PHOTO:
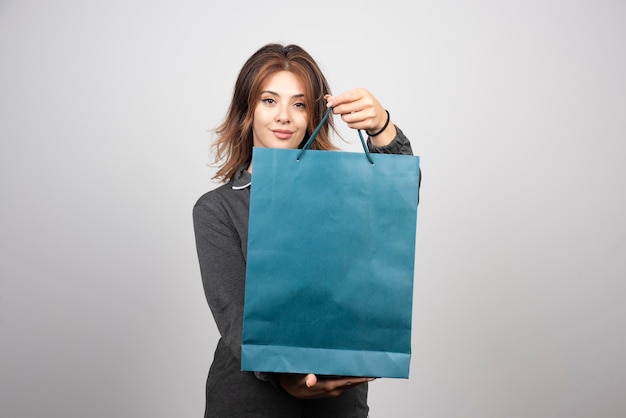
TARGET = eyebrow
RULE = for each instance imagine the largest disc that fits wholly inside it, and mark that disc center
(276, 94)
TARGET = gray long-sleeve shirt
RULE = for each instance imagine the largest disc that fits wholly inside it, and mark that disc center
(221, 227)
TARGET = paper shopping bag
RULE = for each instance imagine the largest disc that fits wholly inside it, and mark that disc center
(330, 263)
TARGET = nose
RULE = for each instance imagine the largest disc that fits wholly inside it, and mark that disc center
(283, 114)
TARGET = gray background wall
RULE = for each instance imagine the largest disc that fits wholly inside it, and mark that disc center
(517, 109)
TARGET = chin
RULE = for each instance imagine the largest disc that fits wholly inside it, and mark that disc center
(284, 144)
(290, 145)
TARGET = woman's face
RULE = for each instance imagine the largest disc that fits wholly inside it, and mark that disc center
(280, 116)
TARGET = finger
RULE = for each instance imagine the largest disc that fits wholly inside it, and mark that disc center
(329, 100)
(310, 380)
(345, 98)
(358, 117)
(352, 381)
(343, 383)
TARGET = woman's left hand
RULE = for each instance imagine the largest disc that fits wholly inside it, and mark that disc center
(359, 109)
(309, 386)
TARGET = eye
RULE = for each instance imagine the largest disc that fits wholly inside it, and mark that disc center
(268, 100)
(300, 105)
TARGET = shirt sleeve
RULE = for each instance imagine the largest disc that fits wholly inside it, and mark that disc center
(399, 145)
(223, 269)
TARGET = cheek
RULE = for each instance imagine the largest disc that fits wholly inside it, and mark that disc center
(303, 120)
(259, 119)
(257, 115)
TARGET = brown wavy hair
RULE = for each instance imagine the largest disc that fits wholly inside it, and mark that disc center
(233, 147)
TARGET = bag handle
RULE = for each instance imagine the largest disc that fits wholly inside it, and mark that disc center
(317, 130)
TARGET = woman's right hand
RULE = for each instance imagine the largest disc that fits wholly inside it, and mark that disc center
(308, 386)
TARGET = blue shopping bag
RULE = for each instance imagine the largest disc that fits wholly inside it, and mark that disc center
(330, 263)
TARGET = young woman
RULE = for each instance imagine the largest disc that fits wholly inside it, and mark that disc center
(279, 98)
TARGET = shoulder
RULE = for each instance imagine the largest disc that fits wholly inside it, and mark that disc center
(213, 197)
(213, 203)
(226, 192)
(227, 203)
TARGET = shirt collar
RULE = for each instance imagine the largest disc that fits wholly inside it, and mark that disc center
(242, 179)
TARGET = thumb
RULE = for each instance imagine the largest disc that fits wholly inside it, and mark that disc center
(310, 380)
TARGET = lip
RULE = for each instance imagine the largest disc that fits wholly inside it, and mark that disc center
(282, 134)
